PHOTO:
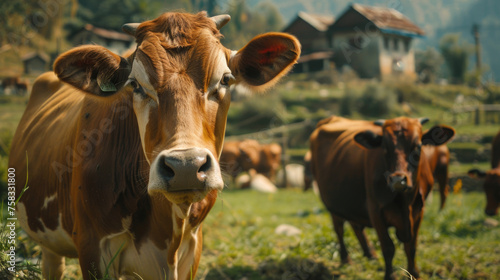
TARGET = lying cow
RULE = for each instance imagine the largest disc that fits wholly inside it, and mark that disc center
(491, 179)
(123, 151)
(369, 174)
(242, 156)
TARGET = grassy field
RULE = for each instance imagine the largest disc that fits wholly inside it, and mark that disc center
(240, 241)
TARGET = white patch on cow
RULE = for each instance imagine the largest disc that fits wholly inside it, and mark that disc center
(220, 69)
(147, 261)
(49, 200)
(139, 73)
(142, 105)
(58, 240)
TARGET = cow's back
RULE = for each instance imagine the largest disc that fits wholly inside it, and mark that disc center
(338, 164)
(42, 147)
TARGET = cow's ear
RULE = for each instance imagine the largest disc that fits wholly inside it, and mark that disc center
(368, 139)
(438, 135)
(264, 60)
(93, 69)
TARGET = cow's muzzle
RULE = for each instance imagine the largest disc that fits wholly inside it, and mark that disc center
(399, 182)
(182, 170)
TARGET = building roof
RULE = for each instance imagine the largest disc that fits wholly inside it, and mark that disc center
(108, 34)
(45, 57)
(387, 20)
(319, 22)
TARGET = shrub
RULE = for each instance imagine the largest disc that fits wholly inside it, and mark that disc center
(376, 101)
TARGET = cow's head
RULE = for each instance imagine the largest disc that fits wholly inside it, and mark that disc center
(178, 81)
(491, 188)
(401, 140)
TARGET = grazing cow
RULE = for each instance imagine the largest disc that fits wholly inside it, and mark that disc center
(438, 158)
(15, 85)
(123, 152)
(239, 156)
(491, 179)
(369, 174)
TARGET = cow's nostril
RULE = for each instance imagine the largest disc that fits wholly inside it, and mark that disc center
(167, 172)
(205, 167)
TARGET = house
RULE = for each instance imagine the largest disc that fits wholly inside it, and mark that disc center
(115, 41)
(311, 29)
(35, 62)
(374, 41)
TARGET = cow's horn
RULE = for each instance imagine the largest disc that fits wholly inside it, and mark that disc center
(423, 120)
(130, 28)
(379, 122)
(221, 20)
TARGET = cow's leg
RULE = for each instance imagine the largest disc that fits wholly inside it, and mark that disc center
(52, 265)
(338, 226)
(385, 240)
(411, 247)
(363, 241)
(442, 178)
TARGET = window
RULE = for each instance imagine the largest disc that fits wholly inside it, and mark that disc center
(407, 45)
(396, 44)
(386, 43)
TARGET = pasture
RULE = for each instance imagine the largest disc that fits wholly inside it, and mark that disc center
(240, 241)
(239, 233)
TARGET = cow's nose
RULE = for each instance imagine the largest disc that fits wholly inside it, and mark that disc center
(399, 182)
(188, 170)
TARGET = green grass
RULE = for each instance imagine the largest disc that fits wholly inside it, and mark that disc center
(240, 240)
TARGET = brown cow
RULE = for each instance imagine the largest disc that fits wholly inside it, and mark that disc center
(369, 174)
(240, 156)
(491, 179)
(438, 158)
(123, 152)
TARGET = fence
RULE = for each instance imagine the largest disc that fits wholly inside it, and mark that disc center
(479, 114)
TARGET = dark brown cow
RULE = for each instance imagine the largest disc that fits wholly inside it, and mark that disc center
(240, 156)
(438, 158)
(123, 152)
(369, 174)
(491, 179)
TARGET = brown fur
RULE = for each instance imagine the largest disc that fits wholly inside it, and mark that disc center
(85, 149)
(242, 156)
(354, 181)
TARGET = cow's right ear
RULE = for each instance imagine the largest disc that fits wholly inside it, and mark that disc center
(368, 139)
(93, 69)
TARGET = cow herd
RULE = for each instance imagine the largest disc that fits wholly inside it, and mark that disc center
(125, 154)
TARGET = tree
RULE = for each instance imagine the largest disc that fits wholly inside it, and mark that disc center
(427, 64)
(456, 55)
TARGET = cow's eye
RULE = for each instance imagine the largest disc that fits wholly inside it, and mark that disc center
(135, 85)
(138, 88)
(227, 79)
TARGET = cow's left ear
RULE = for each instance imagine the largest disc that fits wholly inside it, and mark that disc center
(264, 60)
(93, 69)
(368, 139)
(438, 135)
